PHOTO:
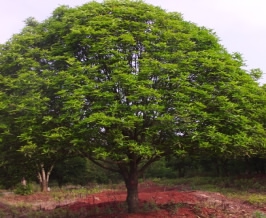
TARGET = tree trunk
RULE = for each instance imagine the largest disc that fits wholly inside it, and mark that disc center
(44, 185)
(43, 177)
(131, 175)
(132, 192)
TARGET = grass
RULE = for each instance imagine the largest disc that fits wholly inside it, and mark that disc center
(256, 199)
(249, 190)
(258, 214)
(216, 183)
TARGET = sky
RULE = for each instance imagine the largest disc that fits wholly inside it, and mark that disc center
(239, 24)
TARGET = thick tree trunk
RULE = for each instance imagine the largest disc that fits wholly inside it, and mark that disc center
(130, 173)
(132, 193)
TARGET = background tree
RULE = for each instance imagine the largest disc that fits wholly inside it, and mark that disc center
(124, 84)
(32, 108)
(11, 172)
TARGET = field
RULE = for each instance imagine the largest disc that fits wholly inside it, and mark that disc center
(192, 198)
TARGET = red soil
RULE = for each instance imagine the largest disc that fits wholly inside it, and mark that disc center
(156, 201)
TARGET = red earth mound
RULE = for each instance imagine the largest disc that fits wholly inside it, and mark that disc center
(157, 201)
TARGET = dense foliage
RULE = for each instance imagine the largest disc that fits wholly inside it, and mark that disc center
(124, 84)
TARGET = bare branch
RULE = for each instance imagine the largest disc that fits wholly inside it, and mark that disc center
(102, 165)
(148, 163)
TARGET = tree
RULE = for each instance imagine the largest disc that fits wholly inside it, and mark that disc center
(11, 172)
(256, 74)
(31, 109)
(125, 83)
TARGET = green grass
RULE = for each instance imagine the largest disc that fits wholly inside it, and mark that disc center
(250, 190)
(256, 199)
(258, 214)
(218, 183)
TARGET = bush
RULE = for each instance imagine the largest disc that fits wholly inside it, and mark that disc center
(23, 189)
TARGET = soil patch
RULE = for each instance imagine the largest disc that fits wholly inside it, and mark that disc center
(155, 201)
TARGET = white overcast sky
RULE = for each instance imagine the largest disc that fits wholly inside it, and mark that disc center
(240, 24)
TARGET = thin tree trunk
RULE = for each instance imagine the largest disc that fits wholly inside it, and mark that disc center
(44, 185)
(44, 177)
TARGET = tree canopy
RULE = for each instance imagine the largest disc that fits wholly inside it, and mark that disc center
(125, 83)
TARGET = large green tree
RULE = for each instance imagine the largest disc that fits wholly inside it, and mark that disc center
(125, 83)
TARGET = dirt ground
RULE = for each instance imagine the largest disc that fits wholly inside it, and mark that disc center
(155, 201)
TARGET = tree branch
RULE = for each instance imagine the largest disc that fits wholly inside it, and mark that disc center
(123, 170)
(148, 163)
(102, 166)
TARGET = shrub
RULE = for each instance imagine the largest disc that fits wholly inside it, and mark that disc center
(23, 189)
